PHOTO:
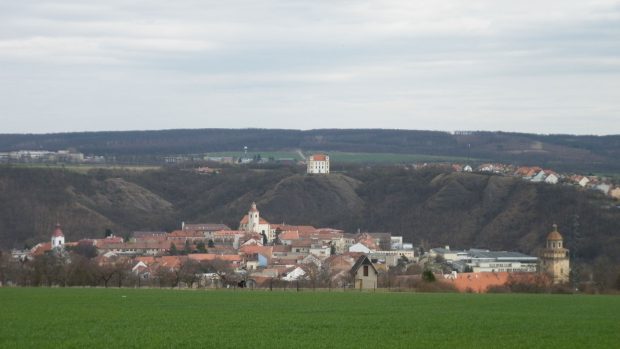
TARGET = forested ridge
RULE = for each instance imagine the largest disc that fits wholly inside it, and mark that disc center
(428, 207)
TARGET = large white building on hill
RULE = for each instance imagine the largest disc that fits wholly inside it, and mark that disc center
(318, 164)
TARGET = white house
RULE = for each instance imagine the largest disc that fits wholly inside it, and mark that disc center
(552, 179)
(295, 274)
(359, 247)
(539, 177)
(318, 164)
(604, 188)
(584, 181)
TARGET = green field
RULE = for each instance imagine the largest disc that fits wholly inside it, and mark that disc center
(392, 158)
(263, 154)
(345, 157)
(129, 318)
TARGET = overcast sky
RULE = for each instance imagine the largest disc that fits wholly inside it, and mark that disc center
(549, 66)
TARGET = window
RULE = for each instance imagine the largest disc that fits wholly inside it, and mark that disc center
(365, 270)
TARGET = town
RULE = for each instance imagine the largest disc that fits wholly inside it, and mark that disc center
(260, 254)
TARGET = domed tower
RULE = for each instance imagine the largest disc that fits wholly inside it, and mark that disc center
(253, 219)
(58, 238)
(554, 259)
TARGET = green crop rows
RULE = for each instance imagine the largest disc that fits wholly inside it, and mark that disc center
(126, 318)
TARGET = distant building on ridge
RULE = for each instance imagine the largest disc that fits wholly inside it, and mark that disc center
(318, 164)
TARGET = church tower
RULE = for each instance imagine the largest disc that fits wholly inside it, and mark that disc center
(554, 258)
(253, 219)
(58, 238)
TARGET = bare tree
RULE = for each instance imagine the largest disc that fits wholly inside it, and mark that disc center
(188, 272)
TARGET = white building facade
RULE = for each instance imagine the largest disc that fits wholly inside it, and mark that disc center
(318, 164)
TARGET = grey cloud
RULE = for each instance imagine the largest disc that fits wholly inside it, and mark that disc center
(550, 67)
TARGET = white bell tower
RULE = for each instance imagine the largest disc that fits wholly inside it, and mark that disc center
(58, 238)
(253, 219)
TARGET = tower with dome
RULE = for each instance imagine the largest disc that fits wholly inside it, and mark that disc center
(554, 259)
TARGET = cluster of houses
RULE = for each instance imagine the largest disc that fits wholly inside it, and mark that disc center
(537, 174)
(46, 156)
(261, 252)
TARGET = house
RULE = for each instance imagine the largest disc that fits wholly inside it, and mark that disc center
(539, 177)
(615, 193)
(294, 274)
(287, 237)
(318, 164)
(603, 187)
(320, 250)
(207, 229)
(583, 181)
(552, 178)
(447, 254)
(364, 274)
(301, 246)
(359, 247)
(396, 242)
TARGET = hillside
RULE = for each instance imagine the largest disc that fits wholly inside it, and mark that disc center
(428, 207)
(561, 152)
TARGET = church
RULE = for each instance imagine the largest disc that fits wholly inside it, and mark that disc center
(554, 259)
(253, 223)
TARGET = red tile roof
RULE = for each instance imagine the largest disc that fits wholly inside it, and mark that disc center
(318, 157)
(57, 232)
(253, 249)
(212, 256)
(289, 235)
(477, 282)
(245, 220)
(41, 248)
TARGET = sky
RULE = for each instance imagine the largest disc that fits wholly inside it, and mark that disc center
(549, 66)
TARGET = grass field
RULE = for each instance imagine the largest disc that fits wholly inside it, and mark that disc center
(392, 158)
(336, 157)
(128, 318)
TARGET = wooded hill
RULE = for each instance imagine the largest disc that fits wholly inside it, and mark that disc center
(427, 207)
(561, 152)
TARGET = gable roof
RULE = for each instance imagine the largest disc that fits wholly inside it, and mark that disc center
(212, 256)
(289, 235)
(246, 219)
(298, 228)
(206, 227)
(362, 260)
(318, 157)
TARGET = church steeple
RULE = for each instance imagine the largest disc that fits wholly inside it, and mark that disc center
(253, 218)
(58, 238)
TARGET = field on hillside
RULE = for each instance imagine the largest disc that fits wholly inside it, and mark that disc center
(391, 158)
(348, 157)
(85, 168)
(127, 318)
